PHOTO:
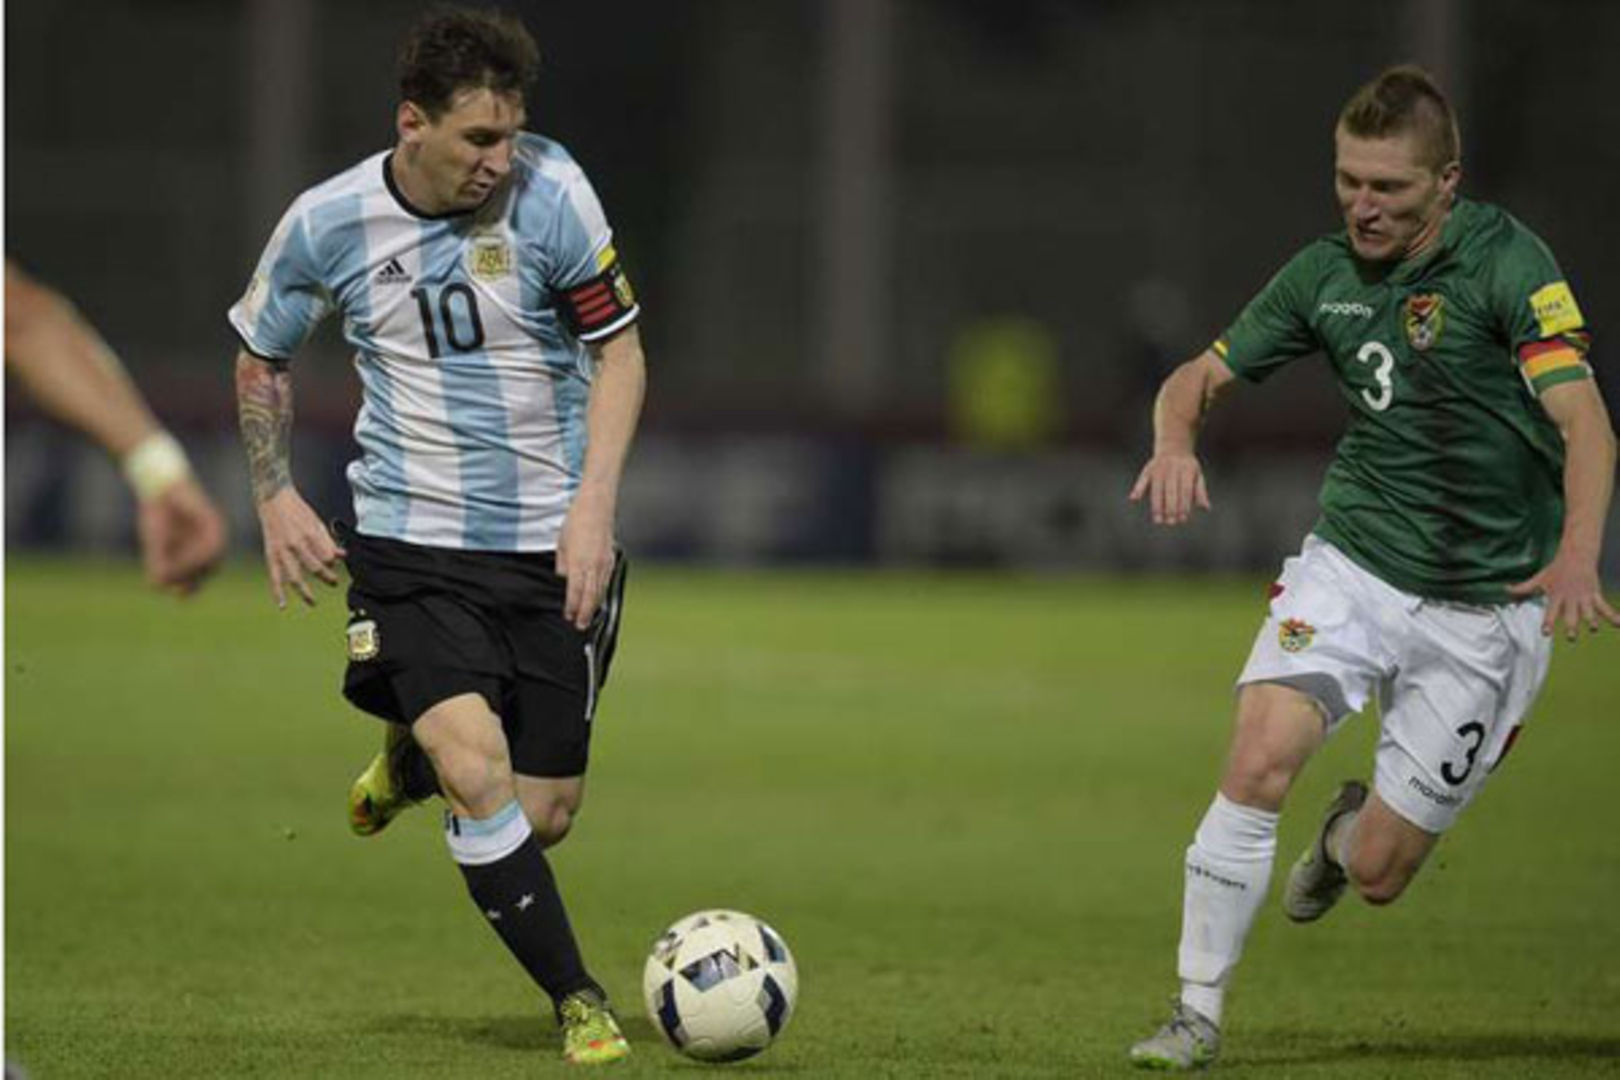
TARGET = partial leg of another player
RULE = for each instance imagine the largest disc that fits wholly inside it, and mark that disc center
(499, 854)
(1228, 866)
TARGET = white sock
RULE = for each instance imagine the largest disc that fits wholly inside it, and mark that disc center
(1341, 837)
(1228, 868)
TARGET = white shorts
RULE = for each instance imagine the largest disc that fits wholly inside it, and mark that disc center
(1453, 681)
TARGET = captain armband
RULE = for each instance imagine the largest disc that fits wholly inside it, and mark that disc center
(1556, 359)
(602, 306)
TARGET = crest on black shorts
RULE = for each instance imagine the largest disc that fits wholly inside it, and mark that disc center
(1425, 318)
(364, 641)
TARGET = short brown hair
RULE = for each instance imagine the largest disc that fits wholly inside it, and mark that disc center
(1403, 99)
(451, 49)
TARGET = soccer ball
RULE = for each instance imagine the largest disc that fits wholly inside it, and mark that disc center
(720, 985)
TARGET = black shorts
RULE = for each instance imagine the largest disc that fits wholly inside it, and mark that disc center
(427, 624)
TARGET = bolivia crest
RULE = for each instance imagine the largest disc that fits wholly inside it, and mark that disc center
(1425, 318)
(1295, 634)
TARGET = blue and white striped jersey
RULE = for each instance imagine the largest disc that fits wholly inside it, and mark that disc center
(469, 333)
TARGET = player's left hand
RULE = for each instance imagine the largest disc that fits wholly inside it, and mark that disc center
(1574, 596)
(182, 536)
(585, 555)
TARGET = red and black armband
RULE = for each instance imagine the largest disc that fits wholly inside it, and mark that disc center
(602, 306)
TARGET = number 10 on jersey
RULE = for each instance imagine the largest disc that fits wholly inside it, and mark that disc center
(455, 315)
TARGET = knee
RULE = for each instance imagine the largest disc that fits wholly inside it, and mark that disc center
(551, 817)
(551, 824)
(479, 781)
(1277, 731)
(1378, 882)
(1258, 777)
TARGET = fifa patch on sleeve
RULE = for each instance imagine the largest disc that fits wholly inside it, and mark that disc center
(1555, 360)
(1555, 309)
(603, 305)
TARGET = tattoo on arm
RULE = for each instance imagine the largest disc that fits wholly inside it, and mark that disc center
(264, 405)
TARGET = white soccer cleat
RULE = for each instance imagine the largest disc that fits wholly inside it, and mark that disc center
(1188, 1040)
(1316, 881)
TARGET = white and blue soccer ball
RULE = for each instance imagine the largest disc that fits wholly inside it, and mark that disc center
(720, 985)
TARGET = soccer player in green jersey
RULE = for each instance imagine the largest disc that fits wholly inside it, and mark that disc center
(1462, 520)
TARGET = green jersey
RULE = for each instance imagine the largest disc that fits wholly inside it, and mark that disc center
(1449, 482)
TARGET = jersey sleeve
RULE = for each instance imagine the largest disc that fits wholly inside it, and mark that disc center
(286, 298)
(1275, 327)
(592, 291)
(1538, 313)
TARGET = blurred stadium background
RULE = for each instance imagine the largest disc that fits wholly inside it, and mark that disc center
(911, 268)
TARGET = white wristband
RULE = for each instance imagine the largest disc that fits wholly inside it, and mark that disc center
(156, 463)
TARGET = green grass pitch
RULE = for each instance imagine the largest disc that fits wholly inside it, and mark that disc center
(962, 799)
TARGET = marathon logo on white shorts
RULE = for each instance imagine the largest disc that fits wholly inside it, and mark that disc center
(1441, 797)
(1352, 308)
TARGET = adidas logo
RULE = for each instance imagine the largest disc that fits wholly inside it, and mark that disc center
(391, 274)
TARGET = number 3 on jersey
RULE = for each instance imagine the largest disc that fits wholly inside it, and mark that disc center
(463, 326)
(1379, 352)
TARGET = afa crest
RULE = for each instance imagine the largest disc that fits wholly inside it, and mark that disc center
(364, 641)
(1425, 318)
(1295, 635)
(489, 258)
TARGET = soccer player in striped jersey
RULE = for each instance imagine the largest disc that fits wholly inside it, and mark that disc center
(1462, 521)
(502, 376)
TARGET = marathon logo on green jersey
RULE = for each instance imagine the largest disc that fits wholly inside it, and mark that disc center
(1345, 307)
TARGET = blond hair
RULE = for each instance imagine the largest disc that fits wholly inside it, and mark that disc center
(1405, 99)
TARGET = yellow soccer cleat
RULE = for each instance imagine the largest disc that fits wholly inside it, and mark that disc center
(378, 794)
(590, 1034)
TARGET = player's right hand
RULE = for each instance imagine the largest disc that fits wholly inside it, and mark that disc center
(296, 543)
(1172, 484)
